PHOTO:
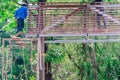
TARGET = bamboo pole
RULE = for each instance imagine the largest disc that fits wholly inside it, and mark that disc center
(40, 65)
(42, 60)
(94, 61)
(3, 59)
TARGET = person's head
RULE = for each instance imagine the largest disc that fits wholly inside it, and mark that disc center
(24, 4)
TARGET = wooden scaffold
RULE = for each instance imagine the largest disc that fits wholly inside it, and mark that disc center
(65, 22)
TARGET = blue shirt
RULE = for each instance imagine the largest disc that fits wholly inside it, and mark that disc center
(21, 12)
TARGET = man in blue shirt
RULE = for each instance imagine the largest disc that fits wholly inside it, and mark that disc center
(20, 15)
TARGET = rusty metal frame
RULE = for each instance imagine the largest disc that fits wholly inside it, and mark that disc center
(90, 35)
(76, 7)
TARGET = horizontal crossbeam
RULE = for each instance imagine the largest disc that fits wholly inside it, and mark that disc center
(83, 41)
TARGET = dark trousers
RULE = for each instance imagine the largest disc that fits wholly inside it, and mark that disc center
(101, 9)
(20, 24)
(99, 17)
(98, 20)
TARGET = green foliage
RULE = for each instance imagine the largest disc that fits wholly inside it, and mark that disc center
(21, 63)
(32, 78)
(80, 59)
(55, 54)
(69, 61)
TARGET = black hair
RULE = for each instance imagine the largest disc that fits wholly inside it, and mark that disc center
(24, 5)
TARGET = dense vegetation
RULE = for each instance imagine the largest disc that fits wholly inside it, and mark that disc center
(99, 61)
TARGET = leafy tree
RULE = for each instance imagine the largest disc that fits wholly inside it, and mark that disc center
(69, 61)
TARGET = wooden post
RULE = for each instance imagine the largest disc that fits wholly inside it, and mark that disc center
(43, 59)
(94, 61)
(7, 62)
(40, 65)
(3, 59)
(41, 62)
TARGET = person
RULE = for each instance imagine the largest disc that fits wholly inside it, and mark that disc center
(20, 15)
(101, 9)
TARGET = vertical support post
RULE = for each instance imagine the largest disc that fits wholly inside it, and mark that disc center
(3, 59)
(38, 58)
(85, 19)
(94, 61)
(41, 68)
(40, 17)
(40, 65)
(7, 63)
(43, 59)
